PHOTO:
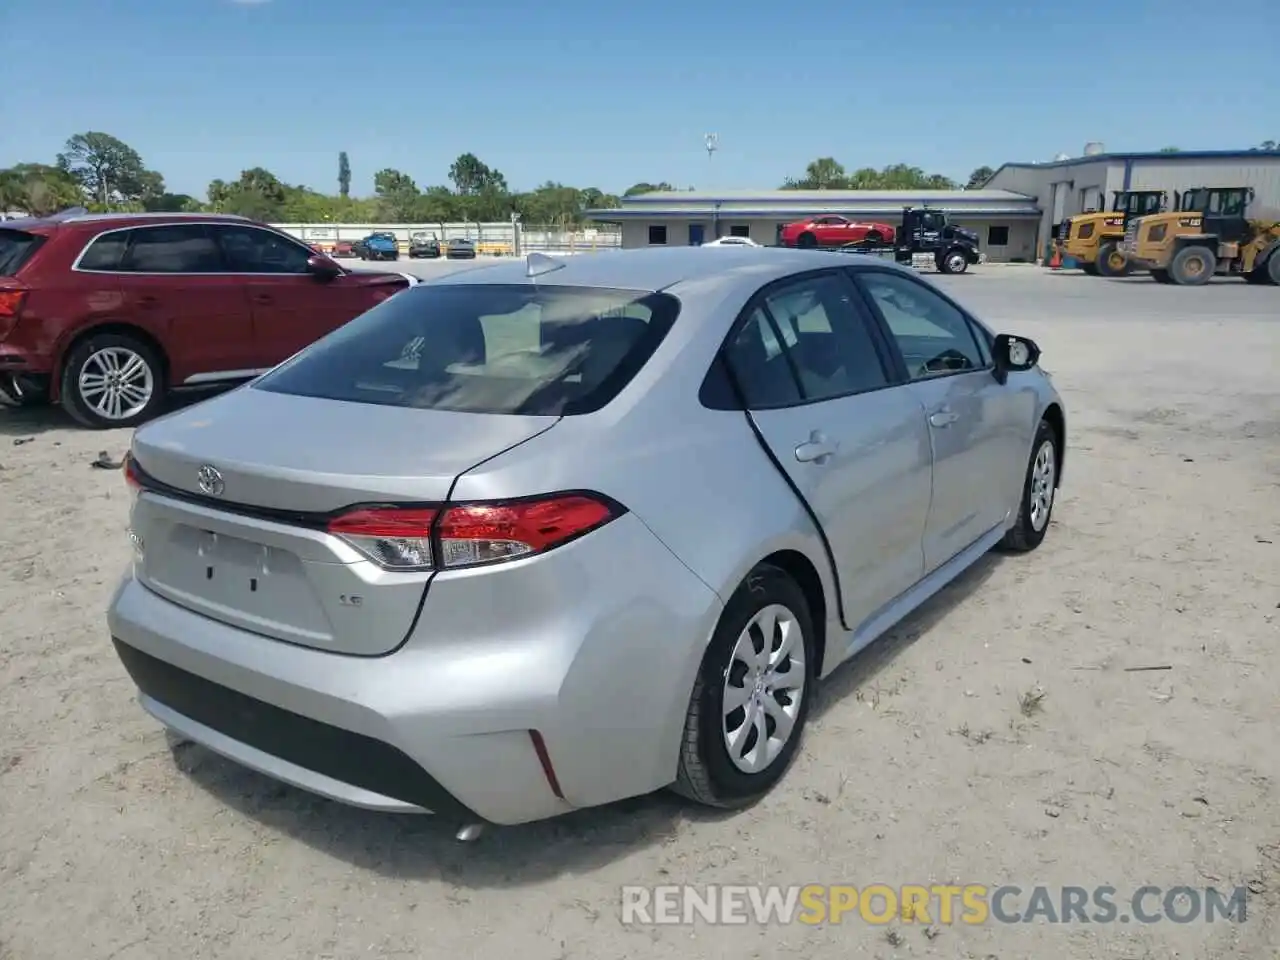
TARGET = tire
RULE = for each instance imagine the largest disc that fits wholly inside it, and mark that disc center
(951, 262)
(806, 241)
(1035, 508)
(1161, 276)
(1111, 262)
(96, 357)
(1273, 267)
(1193, 266)
(708, 773)
(1090, 268)
(1258, 276)
(873, 236)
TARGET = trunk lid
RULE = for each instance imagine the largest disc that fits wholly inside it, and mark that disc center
(248, 547)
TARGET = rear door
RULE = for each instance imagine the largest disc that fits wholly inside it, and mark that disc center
(174, 283)
(293, 307)
(851, 439)
(977, 427)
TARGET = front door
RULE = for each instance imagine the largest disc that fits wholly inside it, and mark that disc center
(975, 424)
(853, 444)
(292, 307)
(696, 234)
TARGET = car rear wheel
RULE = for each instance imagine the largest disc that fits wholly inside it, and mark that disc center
(1038, 492)
(806, 240)
(751, 698)
(111, 381)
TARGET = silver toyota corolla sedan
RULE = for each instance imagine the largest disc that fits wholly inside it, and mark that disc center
(549, 534)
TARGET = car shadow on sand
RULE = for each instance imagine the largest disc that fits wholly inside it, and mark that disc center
(21, 422)
(411, 847)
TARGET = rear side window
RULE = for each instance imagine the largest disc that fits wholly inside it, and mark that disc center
(16, 248)
(105, 252)
(486, 348)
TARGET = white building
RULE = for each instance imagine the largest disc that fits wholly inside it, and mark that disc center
(1005, 222)
(1013, 214)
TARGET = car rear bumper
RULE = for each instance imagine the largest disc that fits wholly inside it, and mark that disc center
(601, 669)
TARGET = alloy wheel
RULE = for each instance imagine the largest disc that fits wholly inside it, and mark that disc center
(116, 383)
(764, 686)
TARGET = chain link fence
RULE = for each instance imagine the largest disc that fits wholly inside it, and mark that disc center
(490, 239)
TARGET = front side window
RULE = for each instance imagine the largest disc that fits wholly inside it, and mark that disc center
(251, 250)
(485, 348)
(934, 337)
(172, 248)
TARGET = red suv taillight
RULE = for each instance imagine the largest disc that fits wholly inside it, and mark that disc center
(10, 308)
(472, 534)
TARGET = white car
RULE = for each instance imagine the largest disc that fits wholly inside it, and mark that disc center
(731, 242)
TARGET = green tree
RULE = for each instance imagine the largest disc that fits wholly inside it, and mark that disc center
(470, 176)
(344, 175)
(397, 195)
(827, 174)
(822, 174)
(258, 194)
(979, 177)
(642, 187)
(1268, 145)
(109, 170)
(38, 189)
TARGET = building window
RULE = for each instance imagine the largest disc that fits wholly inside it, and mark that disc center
(997, 236)
(740, 230)
(657, 234)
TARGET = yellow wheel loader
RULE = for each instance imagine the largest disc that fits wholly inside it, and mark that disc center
(1092, 239)
(1213, 234)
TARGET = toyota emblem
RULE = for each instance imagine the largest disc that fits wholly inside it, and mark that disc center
(210, 480)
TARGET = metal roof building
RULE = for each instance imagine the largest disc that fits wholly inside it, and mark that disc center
(1065, 187)
(1005, 221)
(1013, 213)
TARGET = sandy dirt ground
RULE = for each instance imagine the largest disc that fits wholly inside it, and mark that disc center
(1000, 736)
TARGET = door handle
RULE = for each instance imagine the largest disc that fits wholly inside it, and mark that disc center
(817, 449)
(148, 301)
(943, 418)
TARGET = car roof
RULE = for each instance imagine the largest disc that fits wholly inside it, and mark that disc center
(661, 268)
(107, 220)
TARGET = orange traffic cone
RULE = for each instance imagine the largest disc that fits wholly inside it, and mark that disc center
(1055, 261)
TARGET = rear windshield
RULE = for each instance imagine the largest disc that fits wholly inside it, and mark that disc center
(486, 348)
(16, 247)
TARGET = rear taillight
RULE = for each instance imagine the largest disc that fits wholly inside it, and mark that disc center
(473, 534)
(10, 309)
(131, 476)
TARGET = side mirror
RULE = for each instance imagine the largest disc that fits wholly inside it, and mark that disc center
(1013, 355)
(322, 267)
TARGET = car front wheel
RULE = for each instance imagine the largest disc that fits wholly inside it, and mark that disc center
(112, 381)
(1038, 491)
(751, 698)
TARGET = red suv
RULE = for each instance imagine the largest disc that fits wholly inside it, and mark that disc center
(105, 313)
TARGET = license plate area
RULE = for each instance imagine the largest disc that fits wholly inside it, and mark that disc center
(260, 587)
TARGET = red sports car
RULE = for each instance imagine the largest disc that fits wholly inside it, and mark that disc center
(835, 231)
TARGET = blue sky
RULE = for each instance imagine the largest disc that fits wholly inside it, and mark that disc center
(612, 92)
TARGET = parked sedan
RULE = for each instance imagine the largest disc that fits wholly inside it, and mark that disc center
(106, 313)
(460, 250)
(423, 247)
(344, 249)
(556, 533)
